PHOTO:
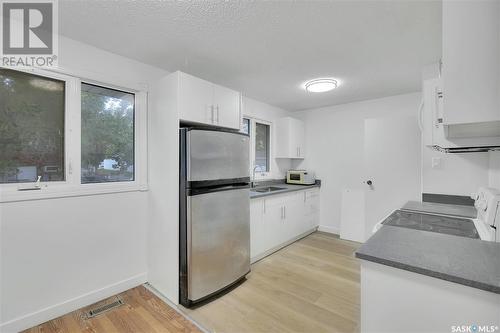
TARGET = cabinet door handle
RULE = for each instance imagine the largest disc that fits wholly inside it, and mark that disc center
(299, 152)
(212, 113)
(217, 113)
(284, 212)
(281, 208)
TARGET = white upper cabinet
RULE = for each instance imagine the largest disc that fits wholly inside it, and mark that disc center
(471, 61)
(290, 138)
(227, 105)
(195, 99)
(204, 102)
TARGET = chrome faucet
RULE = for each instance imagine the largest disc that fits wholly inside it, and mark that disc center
(252, 184)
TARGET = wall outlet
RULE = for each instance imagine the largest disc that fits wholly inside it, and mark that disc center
(436, 162)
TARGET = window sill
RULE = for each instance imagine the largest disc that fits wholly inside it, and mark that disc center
(69, 191)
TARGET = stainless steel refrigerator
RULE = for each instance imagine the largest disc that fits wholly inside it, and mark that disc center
(214, 213)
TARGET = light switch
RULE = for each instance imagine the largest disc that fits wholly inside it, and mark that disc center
(436, 162)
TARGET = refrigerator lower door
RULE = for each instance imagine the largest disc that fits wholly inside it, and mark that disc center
(218, 240)
(217, 155)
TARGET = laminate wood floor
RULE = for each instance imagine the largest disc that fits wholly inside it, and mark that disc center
(143, 312)
(309, 286)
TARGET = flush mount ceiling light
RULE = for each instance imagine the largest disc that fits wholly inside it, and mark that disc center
(321, 85)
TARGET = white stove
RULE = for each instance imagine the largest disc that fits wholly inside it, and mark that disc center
(452, 219)
(487, 203)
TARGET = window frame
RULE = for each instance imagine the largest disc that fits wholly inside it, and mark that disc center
(260, 175)
(72, 186)
(137, 147)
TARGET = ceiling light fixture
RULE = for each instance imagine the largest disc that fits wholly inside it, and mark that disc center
(321, 85)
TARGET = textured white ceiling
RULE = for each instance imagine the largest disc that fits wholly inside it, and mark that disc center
(266, 49)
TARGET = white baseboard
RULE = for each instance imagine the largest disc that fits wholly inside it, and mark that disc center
(57, 310)
(280, 246)
(328, 229)
(174, 306)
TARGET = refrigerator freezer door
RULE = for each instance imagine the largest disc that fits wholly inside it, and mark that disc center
(218, 240)
(217, 155)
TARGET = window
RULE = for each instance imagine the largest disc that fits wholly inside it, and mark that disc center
(245, 126)
(262, 140)
(107, 135)
(79, 138)
(32, 112)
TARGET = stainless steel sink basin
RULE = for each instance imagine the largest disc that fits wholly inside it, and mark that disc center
(267, 189)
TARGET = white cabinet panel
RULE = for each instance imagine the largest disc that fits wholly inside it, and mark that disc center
(311, 208)
(195, 99)
(203, 102)
(452, 136)
(290, 138)
(227, 107)
(257, 230)
(294, 221)
(471, 66)
(297, 138)
(275, 220)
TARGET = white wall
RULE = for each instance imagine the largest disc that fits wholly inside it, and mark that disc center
(60, 254)
(163, 204)
(258, 110)
(335, 147)
(494, 176)
(457, 174)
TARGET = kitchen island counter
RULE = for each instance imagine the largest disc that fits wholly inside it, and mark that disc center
(471, 262)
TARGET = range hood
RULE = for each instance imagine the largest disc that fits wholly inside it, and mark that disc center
(457, 150)
(470, 138)
(454, 138)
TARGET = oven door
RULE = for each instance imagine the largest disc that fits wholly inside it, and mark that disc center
(296, 178)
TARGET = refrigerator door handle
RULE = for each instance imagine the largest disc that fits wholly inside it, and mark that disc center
(205, 190)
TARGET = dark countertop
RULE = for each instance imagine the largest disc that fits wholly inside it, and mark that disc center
(471, 262)
(280, 183)
(439, 208)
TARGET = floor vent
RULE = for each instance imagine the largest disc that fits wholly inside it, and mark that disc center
(103, 308)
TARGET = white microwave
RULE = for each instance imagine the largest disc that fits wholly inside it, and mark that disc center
(300, 177)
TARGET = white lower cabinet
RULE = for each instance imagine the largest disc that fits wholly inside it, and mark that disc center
(312, 207)
(278, 219)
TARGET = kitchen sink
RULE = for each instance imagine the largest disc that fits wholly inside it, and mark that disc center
(267, 189)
